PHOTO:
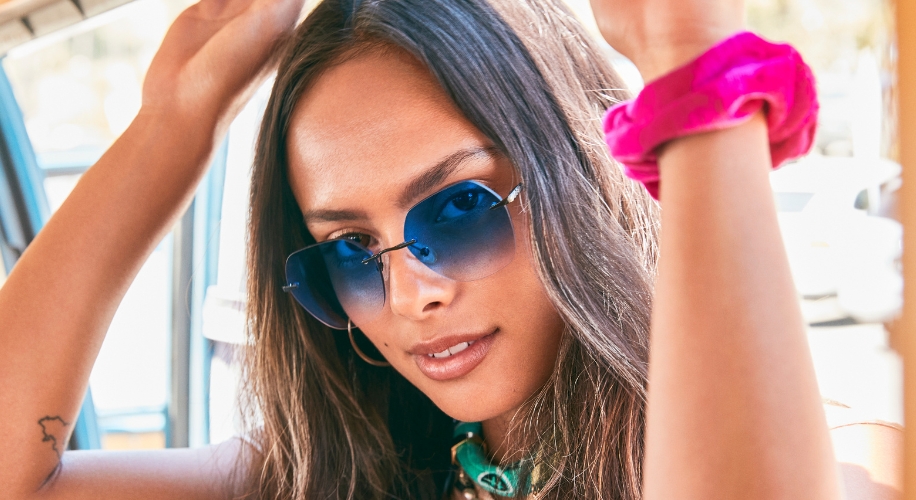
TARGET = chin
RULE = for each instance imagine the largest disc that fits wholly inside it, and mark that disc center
(465, 414)
(477, 403)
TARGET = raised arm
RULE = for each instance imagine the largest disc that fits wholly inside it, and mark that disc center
(58, 301)
(734, 409)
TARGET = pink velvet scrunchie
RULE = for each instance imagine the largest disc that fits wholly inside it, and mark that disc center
(722, 88)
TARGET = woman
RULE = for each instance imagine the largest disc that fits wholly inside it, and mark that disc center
(355, 113)
(387, 118)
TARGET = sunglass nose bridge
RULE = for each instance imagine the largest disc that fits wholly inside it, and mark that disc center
(379, 254)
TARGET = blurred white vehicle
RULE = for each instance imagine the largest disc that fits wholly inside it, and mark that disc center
(836, 244)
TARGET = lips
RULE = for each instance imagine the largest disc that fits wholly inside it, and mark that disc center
(452, 356)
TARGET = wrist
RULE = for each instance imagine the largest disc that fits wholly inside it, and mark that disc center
(185, 142)
(722, 88)
(196, 136)
(677, 38)
(662, 57)
(655, 63)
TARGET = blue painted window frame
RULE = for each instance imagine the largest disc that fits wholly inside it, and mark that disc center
(23, 212)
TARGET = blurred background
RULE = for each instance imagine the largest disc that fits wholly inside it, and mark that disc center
(167, 372)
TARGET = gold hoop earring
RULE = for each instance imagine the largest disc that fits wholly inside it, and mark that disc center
(360, 353)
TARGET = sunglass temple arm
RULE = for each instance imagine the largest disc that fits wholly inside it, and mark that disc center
(508, 199)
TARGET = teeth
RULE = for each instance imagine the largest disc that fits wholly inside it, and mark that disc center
(458, 348)
(455, 349)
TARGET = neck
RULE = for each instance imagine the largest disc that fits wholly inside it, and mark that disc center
(503, 442)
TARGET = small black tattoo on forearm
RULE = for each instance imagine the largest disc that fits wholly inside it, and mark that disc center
(54, 430)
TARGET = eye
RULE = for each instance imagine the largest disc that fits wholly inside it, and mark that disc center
(460, 204)
(361, 239)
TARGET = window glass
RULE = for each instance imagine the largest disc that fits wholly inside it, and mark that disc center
(848, 47)
(223, 317)
(792, 202)
(78, 90)
(842, 240)
(837, 206)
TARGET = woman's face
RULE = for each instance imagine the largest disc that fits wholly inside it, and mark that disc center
(373, 136)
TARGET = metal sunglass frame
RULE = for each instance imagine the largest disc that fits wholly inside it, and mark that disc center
(501, 203)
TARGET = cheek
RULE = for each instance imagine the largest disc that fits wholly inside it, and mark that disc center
(524, 355)
(534, 327)
(523, 358)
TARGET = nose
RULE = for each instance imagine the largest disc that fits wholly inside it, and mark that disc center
(415, 291)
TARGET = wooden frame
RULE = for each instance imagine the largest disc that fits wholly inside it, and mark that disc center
(906, 71)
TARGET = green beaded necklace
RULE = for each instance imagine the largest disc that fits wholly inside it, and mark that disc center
(469, 455)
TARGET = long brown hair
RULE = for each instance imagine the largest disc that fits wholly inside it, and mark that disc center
(527, 75)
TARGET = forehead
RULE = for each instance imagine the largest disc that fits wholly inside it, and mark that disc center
(368, 126)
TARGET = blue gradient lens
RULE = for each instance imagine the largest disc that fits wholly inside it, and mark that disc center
(459, 234)
(462, 232)
(333, 283)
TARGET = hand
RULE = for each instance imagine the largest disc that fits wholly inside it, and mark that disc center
(214, 56)
(661, 35)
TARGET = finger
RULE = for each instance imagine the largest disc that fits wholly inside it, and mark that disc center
(242, 49)
(217, 10)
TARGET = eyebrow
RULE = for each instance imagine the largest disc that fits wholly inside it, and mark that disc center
(415, 188)
(441, 171)
(333, 215)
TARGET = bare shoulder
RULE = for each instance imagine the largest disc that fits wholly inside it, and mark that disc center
(870, 456)
(216, 471)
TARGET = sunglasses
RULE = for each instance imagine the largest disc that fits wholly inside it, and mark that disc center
(463, 232)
